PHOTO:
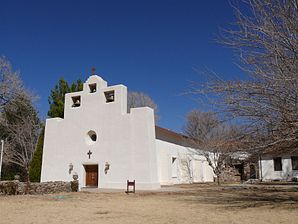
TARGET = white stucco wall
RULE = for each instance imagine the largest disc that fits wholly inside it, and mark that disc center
(125, 141)
(187, 168)
(268, 173)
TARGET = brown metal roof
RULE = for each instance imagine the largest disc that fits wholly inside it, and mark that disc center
(173, 137)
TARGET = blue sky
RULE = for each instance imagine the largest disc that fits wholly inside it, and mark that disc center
(148, 45)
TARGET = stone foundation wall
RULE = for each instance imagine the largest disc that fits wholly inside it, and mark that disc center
(240, 172)
(230, 174)
(15, 187)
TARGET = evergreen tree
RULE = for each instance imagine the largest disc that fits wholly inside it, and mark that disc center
(35, 166)
(57, 97)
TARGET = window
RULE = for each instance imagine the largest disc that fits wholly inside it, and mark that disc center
(294, 162)
(277, 164)
(110, 96)
(91, 137)
(174, 167)
(76, 101)
(92, 88)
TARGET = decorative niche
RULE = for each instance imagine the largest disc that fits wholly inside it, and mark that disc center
(92, 88)
(110, 96)
(76, 101)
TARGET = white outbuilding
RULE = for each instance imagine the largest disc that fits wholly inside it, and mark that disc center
(279, 167)
(105, 145)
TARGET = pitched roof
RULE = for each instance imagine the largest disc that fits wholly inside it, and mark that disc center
(280, 152)
(172, 137)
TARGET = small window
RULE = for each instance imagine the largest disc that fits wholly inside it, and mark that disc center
(110, 96)
(294, 162)
(174, 167)
(76, 101)
(277, 164)
(91, 137)
(92, 88)
(173, 160)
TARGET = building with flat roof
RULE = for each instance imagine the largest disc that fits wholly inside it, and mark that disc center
(105, 145)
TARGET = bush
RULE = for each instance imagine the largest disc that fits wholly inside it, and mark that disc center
(35, 166)
(9, 171)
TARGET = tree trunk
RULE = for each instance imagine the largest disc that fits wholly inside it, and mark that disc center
(218, 182)
(27, 180)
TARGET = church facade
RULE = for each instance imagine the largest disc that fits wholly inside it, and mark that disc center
(104, 145)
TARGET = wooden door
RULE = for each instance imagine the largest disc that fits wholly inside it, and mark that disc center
(91, 175)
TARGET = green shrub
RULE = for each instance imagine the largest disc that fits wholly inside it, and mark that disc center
(9, 171)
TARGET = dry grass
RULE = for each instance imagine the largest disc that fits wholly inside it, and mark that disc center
(191, 204)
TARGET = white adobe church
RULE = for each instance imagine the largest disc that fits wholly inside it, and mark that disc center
(106, 146)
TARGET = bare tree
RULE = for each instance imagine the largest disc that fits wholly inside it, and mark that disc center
(266, 43)
(212, 139)
(19, 123)
(21, 127)
(139, 99)
(10, 83)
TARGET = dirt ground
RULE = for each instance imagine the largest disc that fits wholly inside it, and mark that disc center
(183, 204)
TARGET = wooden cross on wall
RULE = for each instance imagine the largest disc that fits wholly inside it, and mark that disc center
(89, 154)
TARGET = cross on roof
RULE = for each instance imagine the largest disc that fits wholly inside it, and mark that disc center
(89, 154)
(93, 71)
